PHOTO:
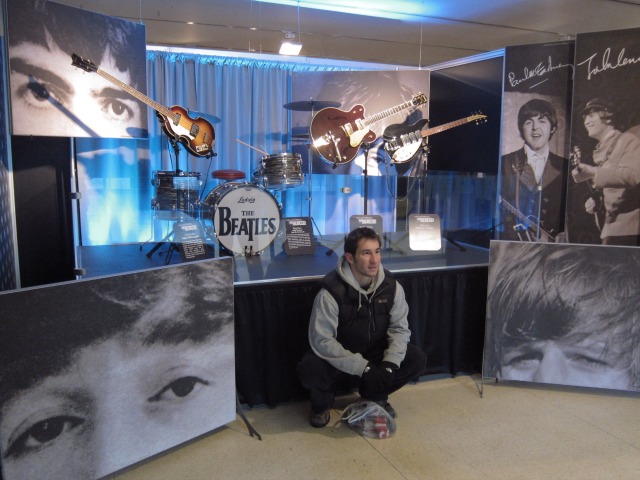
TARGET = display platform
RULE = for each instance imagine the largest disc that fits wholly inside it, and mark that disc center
(274, 265)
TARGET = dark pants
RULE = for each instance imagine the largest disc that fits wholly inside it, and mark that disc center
(323, 380)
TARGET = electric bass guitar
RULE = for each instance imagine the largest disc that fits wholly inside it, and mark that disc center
(527, 223)
(196, 134)
(403, 142)
(337, 134)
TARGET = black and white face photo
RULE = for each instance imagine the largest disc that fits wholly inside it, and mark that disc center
(108, 372)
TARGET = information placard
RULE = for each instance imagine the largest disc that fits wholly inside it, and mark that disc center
(299, 236)
(371, 221)
(424, 232)
(190, 239)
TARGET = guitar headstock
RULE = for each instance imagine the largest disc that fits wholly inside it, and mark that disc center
(86, 65)
(419, 99)
(478, 117)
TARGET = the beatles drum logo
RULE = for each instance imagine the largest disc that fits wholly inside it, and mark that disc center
(247, 224)
(246, 218)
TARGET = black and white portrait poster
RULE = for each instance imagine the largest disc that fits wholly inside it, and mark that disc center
(604, 193)
(99, 374)
(535, 139)
(50, 96)
(564, 314)
(390, 99)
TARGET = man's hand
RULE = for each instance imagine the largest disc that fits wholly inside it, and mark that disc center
(583, 172)
(377, 377)
(590, 205)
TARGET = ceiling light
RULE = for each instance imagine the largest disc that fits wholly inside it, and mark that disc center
(409, 10)
(290, 48)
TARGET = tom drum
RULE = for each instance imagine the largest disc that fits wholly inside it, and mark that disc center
(175, 192)
(280, 171)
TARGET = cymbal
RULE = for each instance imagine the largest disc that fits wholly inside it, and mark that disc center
(309, 105)
(206, 116)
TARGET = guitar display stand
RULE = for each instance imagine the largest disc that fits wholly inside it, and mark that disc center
(421, 171)
(167, 238)
(365, 171)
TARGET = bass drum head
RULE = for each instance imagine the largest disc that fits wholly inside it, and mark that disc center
(245, 217)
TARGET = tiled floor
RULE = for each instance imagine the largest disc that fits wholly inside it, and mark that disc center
(445, 431)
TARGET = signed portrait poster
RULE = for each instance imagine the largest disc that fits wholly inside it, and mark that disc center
(605, 125)
(534, 141)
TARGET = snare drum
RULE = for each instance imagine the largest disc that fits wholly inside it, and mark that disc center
(280, 171)
(244, 217)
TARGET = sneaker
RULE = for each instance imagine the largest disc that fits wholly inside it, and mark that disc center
(389, 409)
(319, 419)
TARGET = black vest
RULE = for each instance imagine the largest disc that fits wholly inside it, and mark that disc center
(362, 330)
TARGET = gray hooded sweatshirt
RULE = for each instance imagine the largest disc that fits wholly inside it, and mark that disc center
(323, 326)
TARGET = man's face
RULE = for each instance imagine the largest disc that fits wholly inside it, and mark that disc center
(594, 125)
(536, 132)
(51, 97)
(587, 363)
(366, 261)
(119, 402)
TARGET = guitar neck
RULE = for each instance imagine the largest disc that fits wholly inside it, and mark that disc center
(140, 96)
(386, 113)
(446, 126)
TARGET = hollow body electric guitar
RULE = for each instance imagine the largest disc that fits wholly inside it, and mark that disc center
(338, 134)
(197, 135)
(403, 142)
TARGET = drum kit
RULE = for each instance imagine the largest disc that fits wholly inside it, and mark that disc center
(244, 217)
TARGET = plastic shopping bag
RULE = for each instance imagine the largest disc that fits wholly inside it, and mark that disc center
(369, 419)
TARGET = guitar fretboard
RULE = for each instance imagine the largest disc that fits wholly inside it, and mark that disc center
(384, 114)
(140, 96)
(447, 126)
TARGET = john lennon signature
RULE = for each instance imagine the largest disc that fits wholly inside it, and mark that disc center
(540, 70)
(594, 67)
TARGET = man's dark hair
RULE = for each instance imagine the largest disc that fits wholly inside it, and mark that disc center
(537, 108)
(34, 21)
(570, 293)
(42, 329)
(353, 238)
(605, 109)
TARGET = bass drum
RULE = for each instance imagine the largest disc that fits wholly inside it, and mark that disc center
(244, 217)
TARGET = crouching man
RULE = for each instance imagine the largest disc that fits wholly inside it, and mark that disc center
(358, 332)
